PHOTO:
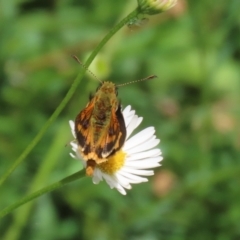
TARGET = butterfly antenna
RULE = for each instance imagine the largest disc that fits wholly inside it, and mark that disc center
(140, 80)
(76, 58)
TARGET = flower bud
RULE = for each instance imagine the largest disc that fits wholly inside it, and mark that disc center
(151, 7)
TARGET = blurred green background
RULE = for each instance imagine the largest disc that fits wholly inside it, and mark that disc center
(194, 49)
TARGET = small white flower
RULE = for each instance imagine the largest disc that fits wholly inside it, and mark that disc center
(133, 163)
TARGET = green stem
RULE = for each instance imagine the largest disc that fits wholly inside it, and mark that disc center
(68, 96)
(49, 160)
(42, 191)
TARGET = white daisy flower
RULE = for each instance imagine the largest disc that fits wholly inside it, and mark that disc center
(133, 163)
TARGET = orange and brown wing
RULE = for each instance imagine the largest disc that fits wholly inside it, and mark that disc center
(115, 135)
(82, 126)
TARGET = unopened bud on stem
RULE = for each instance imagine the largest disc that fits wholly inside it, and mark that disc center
(151, 7)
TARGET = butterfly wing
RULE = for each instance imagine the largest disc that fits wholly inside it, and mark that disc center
(82, 126)
(115, 136)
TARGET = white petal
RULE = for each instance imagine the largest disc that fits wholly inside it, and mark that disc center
(139, 138)
(133, 178)
(139, 121)
(126, 110)
(123, 181)
(150, 160)
(79, 156)
(132, 125)
(95, 179)
(112, 182)
(151, 143)
(122, 191)
(72, 155)
(74, 150)
(74, 145)
(139, 172)
(128, 115)
(109, 181)
(97, 176)
(137, 156)
(72, 126)
(143, 164)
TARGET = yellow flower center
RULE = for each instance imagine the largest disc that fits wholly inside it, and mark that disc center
(114, 163)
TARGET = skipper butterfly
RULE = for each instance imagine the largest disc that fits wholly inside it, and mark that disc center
(100, 128)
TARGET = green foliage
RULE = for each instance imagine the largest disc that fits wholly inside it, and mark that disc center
(194, 49)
